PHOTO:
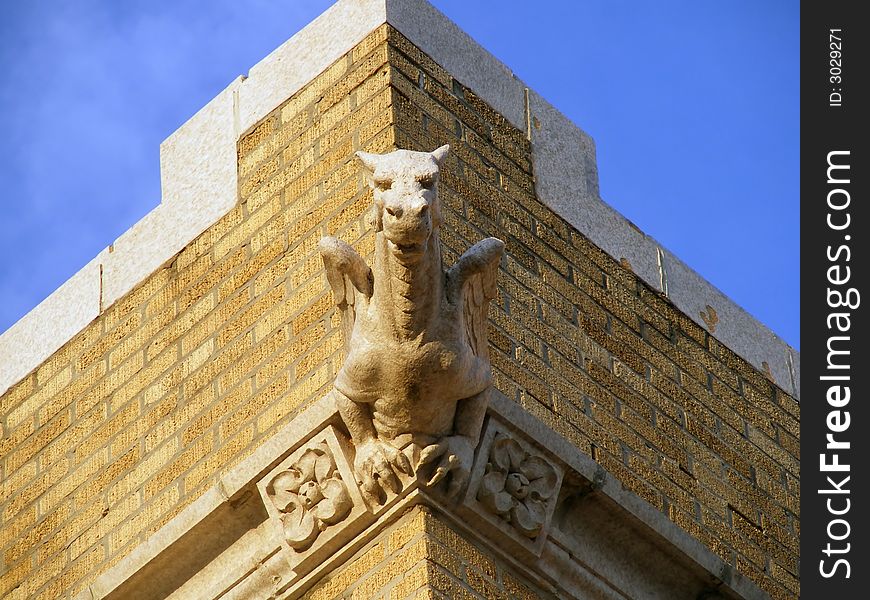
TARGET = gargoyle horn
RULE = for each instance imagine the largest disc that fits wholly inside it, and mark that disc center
(367, 159)
(440, 154)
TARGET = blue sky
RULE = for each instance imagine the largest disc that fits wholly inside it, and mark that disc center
(694, 108)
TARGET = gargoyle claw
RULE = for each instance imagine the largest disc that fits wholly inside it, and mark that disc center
(457, 454)
(377, 464)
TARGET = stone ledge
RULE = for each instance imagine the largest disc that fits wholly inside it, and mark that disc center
(39, 333)
(193, 199)
(641, 510)
(730, 324)
(250, 557)
(309, 52)
(466, 60)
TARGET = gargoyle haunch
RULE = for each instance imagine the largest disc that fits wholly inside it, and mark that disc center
(413, 388)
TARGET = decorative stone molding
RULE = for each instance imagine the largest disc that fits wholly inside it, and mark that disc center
(597, 539)
(309, 495)
(518, 486)
(312, 499)
(514, 488)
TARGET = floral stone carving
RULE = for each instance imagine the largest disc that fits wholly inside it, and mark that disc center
(413, 388)
(310, 496)
(313, 502)
(518, 486)
(514, 486)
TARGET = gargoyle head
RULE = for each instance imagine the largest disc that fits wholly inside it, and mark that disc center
(407, 208)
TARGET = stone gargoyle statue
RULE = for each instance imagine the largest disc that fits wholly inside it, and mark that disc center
(413, 388)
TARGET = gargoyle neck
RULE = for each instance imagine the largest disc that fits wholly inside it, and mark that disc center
(408, 296)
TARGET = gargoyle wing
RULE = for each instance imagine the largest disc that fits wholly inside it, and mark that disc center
(349, 276)
(471, 282)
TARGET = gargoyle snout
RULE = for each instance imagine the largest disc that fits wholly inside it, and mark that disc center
(408, 219)
(408, 224)
(416, 208)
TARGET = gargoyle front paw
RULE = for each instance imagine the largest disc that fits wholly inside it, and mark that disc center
(457, 455)
(377, 464)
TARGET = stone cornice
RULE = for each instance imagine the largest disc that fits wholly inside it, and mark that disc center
(598, 537)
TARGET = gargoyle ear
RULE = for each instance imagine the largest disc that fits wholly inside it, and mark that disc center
(368, 160)
(440, 154)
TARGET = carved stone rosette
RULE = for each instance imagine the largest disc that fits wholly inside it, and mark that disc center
(311, 498)
(517, 485)
(514, 488)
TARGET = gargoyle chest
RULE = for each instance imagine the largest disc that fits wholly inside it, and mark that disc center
(376, 369)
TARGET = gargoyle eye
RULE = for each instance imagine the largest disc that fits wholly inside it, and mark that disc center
(383, 184)
(427, 181)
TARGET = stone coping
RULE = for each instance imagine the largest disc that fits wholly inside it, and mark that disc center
(199, 185)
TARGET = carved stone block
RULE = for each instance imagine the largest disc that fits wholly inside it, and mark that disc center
(514, 488)
(412, 391)
(313, 500)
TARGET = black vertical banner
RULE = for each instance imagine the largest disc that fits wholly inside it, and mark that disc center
(835, 300)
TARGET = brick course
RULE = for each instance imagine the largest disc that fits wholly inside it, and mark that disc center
(420, 556)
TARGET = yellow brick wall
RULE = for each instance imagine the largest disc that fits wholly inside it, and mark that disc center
(136, 416)
(422, 557)
(182, 378)
(586, 346)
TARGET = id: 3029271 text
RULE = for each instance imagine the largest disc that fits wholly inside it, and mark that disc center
(835, 67)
